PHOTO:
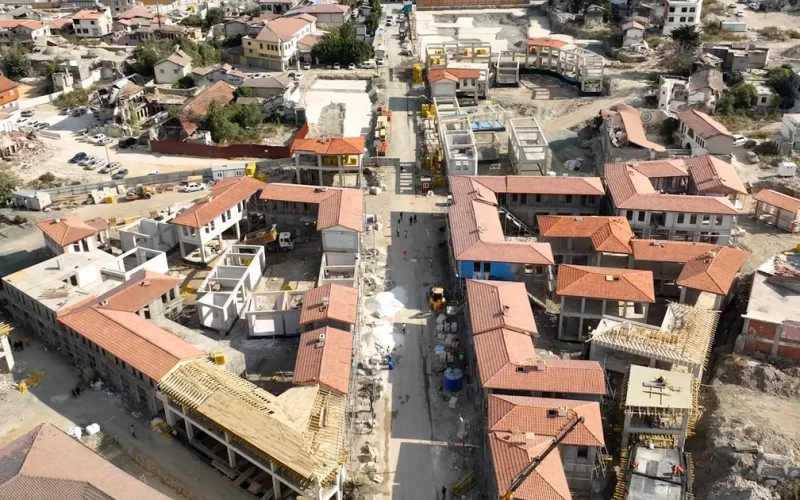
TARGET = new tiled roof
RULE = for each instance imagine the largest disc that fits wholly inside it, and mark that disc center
(476, 232)
(281, 29)
(634, 129)
(88, 14)
(342, 304)
(607, 283)
(710, 173)
(715, 271)
(66, 230)
(630, 190)
(223, 195)
(141, 289)
(337, 207)
(452, 74)
(670, 251)
(324, 357)
(658, 168)
(780, 200)
(499, 304)
(546, 42)
(26, 23)
(608, 234)
(332, 146)
(632, 24)
(143, 345)
(512, 453)
(47, 464)
(533, 184)
(527, 414)
(702, 124)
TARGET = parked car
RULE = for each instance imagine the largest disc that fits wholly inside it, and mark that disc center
(390, 22)
(97, 138)
(154, 172)
(41, 126)
(27, 113)
(194, 186)
(78, 157)
(127, 142)
(752, 157)
(733, 6)
(351, 66)
(87, 160)
(740, 13)
(750, 144)
(97, 163)
(368, 65)
(22, 119)
(753, 5)
(78, 112)
(337, 66)
(107, 140)
(120, 174)
(110, 167)
(306, 66)
(380, 61)
(739, 140)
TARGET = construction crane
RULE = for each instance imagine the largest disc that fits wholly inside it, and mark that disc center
(528, 470)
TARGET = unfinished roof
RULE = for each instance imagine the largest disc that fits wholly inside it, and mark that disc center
(779, 200)
(324, 357)
(670, 251)
(499, 304)
(511, 453)
(634, 130)
(331, 301)
(331, 146)
(684, 337)
(606, 283)
(47, 464)
(715, 271)
(143, 345)
(608, 234)
(646, 390)
(338, 207)
(547, 417)
(630, 190)
(702, 124)
(66, 230)
(476, 232)
(304, 438)
(709, 173)
(533, 184)
(649, 474)
(546, 42)
(223, 195)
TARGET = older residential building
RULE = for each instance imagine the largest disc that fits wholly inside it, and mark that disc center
(92, 23)
(623, 136)
(191, 116)
(9, 94)
(679, 13)
(279, 89)
(61, 27)
(738, 57)
(330, 305)
(325, 358)
(316, 157)
(138, 16)
(325, 13)
(710, 176)
(703, 134)
(632, 33)
(589, 293)
(778, 209)
(225, 209)
(47, 463)
(69, 234)
(652, 214)
(702, 88)
(172, 68)
(790, 127)
(276, 46)
(23, 31)
(276, 6)
(225, 73)
(587, 240)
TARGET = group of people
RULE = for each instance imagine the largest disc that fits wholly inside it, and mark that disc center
(19, 345)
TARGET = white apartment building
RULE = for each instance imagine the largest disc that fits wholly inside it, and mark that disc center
(92, 23)
(276, 46)
(703, 134)
(680, 13)
(202, 226)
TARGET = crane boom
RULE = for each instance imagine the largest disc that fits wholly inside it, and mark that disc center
(523, 475)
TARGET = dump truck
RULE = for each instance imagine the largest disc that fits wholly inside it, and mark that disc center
(271, 239)
(139, 192)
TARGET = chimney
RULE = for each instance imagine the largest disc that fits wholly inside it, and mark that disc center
(325, 302)
(321, 340)
(505, 310)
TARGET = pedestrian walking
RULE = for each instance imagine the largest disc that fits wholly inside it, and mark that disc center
(430, 261)
(404, 328)
(406, 233)
(405, 254)
(15, 346)
(21, 346)
(398, 232)
(133, 433)
(401, 216)
(415, 218)
(444, 492)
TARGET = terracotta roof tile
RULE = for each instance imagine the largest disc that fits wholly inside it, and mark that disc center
(141, 289)
(659, 168)
(282, 29)
(511, 455)
(608, 234)
(342, 304)
(47, 463)
(88, 14)
(99, 223)
(780, 200)
(702, 124)
(327, 361)
(710, 173)
(220, 93)
(66, 230)
(337, 207)
(546, 42)
(634, 128)
(224, 195)
(26, 23)
(143, 345)
(452, 74)
(715, 271)
(527, 414)
(439, 74)
(142, 12)
(60, 23)
(670, 251)
(332, 146)
(532, 184)
(499, 304)
(606, 283)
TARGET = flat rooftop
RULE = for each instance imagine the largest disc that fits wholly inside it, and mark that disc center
(644, 390)
(644, 482)
(772, 302)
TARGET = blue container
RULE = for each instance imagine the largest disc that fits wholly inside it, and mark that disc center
(453, 379)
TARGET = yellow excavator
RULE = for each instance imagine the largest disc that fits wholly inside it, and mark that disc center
(438, 302)
(528, 470)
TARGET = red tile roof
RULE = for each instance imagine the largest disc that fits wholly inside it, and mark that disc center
(99, 223)
(342, 304)
(26, 23)
(143, 288)
(606, 283)
(88, 14)
(715, 271)
(670, 251)
(512, 453)
(546, 42)
(332, 146)
(532, 184)
(452, 74)
(499, 304)
(702, 124)
(142, 12)
(658, 168)
(224, 195)
(66, 230)
(526, 414)
(476, 232)
(325, 360)
(630, 190)
(60, 23)
(220, 93)
(140, 343)
(46, 464)
(634, 129)
(282, 29)
(710, 173)
(780, 200)
(608, 234)
(337, 207)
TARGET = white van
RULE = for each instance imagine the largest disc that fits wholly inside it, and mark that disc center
(369, 64)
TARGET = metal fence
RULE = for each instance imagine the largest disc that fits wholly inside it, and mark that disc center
(127, 182)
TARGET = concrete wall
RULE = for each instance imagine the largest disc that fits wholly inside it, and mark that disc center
(778, 340)
(148, 233)
(339, 240)
(680, 226)
(278, 323)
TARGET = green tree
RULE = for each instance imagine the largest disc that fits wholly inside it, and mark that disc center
(75, 98)
(194, 21)
(235, 122)
(783, 72)
(186, 82)
(245, 92)
(8, 184)
(15, 62)
(214, 16)
(744, 95)
(686, 36)
(341, 46)
(152, 51)
(669, 127)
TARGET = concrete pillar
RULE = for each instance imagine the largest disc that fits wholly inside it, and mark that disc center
(684, 428)
(625, 433)
(603, 310)
(238, 231)
(341, 170)
(231, 453)
(169, 415)
(5, 354)
(776, 342)
(276, 483)
(646, 310)
(189, 428)
(297, 166)
(683, 295)
(561, 320)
